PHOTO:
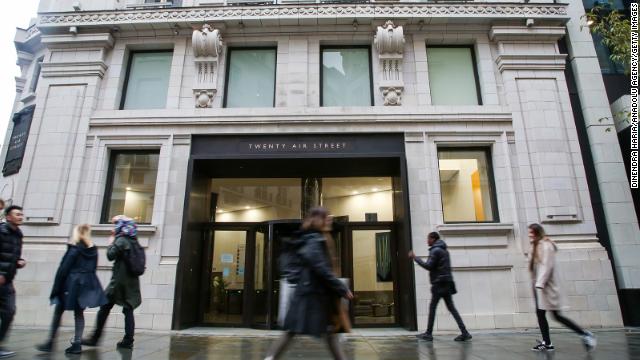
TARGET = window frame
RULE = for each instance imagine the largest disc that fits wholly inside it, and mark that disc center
(228, 68)
(325, 47)
(490, 175)
(125, 85)
(474, 62)
(108, 190)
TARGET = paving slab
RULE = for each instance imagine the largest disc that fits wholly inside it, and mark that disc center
(196, 344)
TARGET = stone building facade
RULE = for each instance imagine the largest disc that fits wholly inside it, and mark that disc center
(78, 64)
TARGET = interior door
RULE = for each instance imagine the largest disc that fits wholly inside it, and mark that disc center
(260, 287)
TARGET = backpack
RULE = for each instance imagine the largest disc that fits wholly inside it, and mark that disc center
(135, 258)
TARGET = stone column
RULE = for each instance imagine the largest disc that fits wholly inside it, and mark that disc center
(622, 221)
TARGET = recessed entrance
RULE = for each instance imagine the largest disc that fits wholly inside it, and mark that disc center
(240, 211)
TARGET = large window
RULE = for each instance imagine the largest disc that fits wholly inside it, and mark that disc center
(453, 76)
(346, 77)
(147, 80)
(466, 183)
(131, 185)
(251, 78)
(359, 198)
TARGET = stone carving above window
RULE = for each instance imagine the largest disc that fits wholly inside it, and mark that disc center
(207, 47)
(389, 41)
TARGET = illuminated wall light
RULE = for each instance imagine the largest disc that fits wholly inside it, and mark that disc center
(128, 188)
(247, 207)
(354, 193)
(374, 189)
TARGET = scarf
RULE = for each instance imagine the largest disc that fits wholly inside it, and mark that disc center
(126, 227)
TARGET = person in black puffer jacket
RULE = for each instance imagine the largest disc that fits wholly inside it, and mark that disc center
(10, 261)
(317, 287)
(76, 287)
(442, 284)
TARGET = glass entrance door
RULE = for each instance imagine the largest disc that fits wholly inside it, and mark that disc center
(373, 272)
(226, 278)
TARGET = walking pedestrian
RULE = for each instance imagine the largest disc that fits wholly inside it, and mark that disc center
(124, 287)
(442, 285)
(313, 307)
(76, 287)
(546, 289)
(10, 261)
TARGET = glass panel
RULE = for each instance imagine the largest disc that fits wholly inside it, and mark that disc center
(227, 278)
(359, 198)
(373, 278)
(255, 200)
(133, 186)
(346, 77)
(465, 186)
(252, 78)
(260, 279)
(148, 80)
(451, 76)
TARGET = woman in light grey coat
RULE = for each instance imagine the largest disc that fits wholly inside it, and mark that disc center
(546, 289)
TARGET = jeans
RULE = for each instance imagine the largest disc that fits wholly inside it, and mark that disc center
(7, 308)
(448, 300)
(78, 315)
(103, 314)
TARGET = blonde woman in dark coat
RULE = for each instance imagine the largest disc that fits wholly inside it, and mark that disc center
(546, 289)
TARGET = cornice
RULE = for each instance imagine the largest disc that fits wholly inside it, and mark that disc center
(523, 33)
(73, 69)
(531, 62)
(301, 12)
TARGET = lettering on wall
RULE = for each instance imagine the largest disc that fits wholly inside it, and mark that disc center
(18, 141)
(294, 146)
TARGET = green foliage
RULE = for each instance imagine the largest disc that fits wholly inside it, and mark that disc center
(615, 31)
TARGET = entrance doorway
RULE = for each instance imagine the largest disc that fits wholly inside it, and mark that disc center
(243, 286)
(240, 209)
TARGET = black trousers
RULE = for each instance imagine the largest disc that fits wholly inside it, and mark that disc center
(448, 300)
(57, 318)
(544, 325)
(7, 308)
(103, 314)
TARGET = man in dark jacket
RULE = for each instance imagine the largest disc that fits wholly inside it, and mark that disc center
(10, 261)
(442, 285)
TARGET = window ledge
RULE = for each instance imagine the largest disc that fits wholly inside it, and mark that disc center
(101, 229)
(28, 97)
(475, 229)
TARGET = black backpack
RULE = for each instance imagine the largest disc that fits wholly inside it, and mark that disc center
(135, 258)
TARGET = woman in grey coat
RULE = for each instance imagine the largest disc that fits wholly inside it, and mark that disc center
(546, 289)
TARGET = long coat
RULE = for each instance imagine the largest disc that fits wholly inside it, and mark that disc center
(124, 288)
(313, 302)
(545, 282)
(76, 285)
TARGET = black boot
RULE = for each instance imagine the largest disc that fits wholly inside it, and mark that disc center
(125, 344)
(91, 341)
(425, 336)
(463, 337)
(46, 346)
(75, 348)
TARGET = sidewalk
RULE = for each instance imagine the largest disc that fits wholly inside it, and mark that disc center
(200, 344)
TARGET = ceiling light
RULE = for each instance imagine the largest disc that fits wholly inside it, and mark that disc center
(374, 189)
(128, 188)
(247, 207)
(354, 192)
(220, 211)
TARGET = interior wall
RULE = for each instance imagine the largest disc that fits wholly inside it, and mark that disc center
(355, 206)
(364, 262)
(457, 193)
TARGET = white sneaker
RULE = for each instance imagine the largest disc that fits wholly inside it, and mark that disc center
(589, 341)
(6, 354)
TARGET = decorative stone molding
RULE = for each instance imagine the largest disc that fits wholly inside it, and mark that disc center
(207, 47)
(410, 11)
(544, 56)
(389, 41)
